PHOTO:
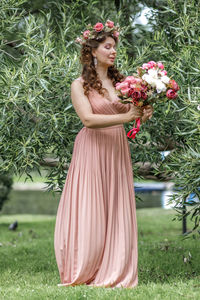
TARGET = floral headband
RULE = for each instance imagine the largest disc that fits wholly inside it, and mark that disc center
(91, 31)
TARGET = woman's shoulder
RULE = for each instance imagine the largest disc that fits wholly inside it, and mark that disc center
(77, 82)
(79, 79)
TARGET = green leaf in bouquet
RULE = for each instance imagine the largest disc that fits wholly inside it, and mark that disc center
(128, 100)
(141, 71)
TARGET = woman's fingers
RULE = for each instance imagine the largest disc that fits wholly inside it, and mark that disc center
(148, 111)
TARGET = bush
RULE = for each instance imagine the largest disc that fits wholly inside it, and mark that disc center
(6, 182)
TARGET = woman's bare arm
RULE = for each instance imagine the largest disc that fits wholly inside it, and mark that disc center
(84, 110)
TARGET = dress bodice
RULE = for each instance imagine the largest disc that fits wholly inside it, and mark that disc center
(101, 105)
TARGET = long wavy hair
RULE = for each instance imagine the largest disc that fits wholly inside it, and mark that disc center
(89, 74)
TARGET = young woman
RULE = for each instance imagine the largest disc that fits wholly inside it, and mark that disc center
(95, 238)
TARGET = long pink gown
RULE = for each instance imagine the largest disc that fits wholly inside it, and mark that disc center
(96, 237)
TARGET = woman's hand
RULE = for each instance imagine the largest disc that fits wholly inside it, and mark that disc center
(147, 113)
(134, 113)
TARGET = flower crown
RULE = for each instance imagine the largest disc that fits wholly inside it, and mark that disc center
(91, 31)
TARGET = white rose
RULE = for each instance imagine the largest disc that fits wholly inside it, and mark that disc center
(153, 84)
(153, 73)
(150, 80)
(160, 86)
(165, 79)
(144, 76)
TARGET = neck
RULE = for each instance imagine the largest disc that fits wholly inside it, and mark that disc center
(102, 71)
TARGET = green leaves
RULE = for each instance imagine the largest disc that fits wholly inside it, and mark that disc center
(39, 60)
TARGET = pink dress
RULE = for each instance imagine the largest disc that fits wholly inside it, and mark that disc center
(96, 238)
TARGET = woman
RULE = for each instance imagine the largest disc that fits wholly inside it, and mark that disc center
(96, 227)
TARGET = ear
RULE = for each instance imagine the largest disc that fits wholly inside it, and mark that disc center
(94, 52)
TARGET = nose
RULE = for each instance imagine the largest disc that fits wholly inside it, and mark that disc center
(114, 51)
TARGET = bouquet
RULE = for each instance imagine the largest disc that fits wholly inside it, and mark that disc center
(149, 85)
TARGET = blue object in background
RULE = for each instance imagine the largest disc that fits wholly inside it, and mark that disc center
(164, 154)
(191, 199)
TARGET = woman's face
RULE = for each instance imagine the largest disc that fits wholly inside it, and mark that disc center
(106, 52)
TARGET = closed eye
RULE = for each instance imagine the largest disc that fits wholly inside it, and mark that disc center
(108, 46)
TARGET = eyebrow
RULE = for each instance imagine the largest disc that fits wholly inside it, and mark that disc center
(107, 43)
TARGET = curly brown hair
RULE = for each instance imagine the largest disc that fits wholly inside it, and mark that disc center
(89, 74)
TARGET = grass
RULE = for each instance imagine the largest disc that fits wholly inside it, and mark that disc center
(168, 266)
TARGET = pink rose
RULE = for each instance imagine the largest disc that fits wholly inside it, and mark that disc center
(130, 79)
(121, 85)
(124, 90)
(117, 86)
(136, 94)
(171, 94)
(78, 40)
(152, 64)
(109, 24)
(86, 34)
(144, 95)
(116, 34)
(163, 73)
(98, 27)
(145, 66)
(160, 65)
(174, 85)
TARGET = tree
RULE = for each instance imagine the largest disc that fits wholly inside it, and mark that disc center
(176, 41)
(5, 188)
(39, 60)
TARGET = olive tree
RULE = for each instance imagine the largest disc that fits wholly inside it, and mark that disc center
(39, 60)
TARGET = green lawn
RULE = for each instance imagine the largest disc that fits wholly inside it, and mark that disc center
(29, 271)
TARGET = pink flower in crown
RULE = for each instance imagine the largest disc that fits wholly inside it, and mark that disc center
(109, 24)
(163, 73)
(98, 27)
(152, 64)
(145, 66)
(86, 34)
(160, 65)
(78, 40)
(116, 34)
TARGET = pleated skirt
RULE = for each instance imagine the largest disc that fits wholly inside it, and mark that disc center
(96, 238)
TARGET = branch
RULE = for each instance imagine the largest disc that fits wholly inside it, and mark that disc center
(147, 170)
(32, 118)
(14, 45)
(168, 145)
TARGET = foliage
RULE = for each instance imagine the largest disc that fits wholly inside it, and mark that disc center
(5, 188)
(38, 66)
(176, 41)
(39, 60)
